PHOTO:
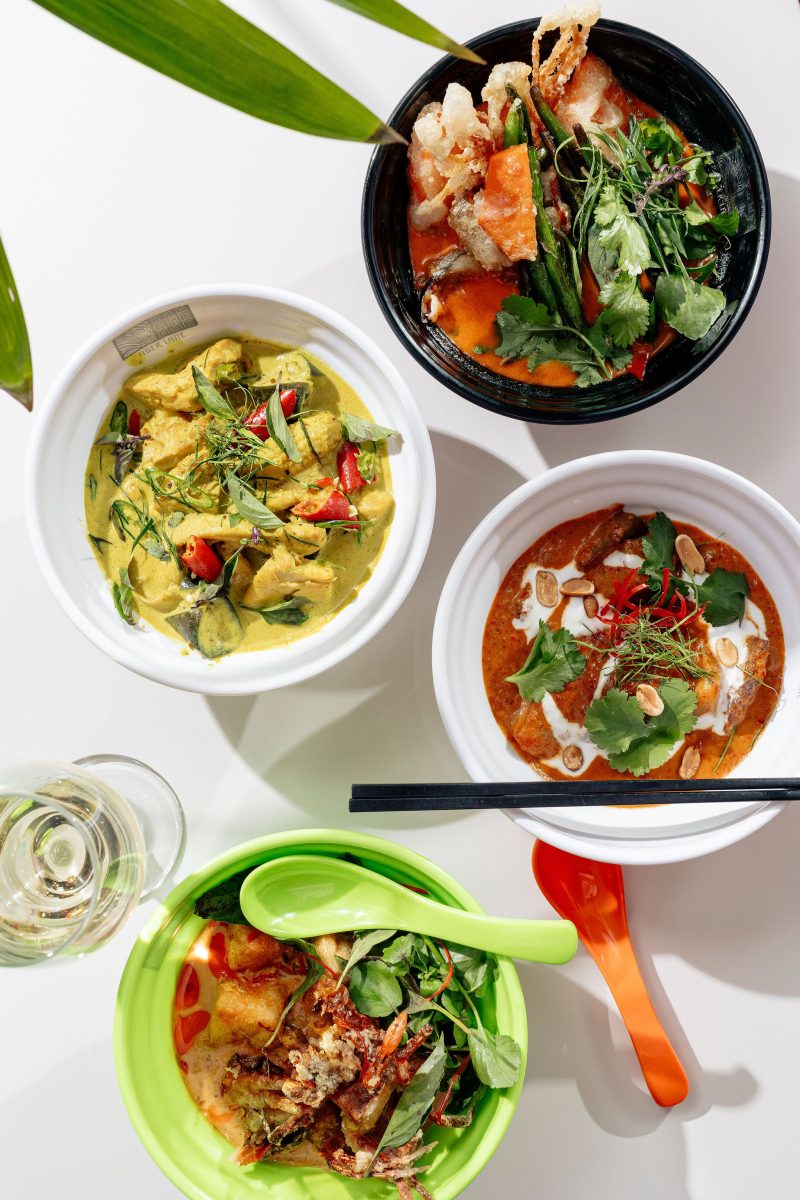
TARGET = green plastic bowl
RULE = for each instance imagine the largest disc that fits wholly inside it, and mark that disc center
(181, 1141)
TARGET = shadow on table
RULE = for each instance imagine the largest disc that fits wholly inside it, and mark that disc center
(742, 412)
(375, 716)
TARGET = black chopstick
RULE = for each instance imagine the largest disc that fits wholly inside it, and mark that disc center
(578, 793)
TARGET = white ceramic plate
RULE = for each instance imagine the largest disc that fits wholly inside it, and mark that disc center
(687, 489)
(68, 422)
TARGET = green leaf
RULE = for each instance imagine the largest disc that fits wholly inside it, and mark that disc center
(122, 594)
(314, 971)
(16, 370)
(528, 330)
(620, 232)
(660, 140)
(221, 902)
(397, 16)
(119, 420)
(627, 313)
(658, 547)
(247, 505)
(688, 307)
(356, 429)
(209, 47)
(724, 594)
(496, 1057)
(287, 612)
(278, 429)
(554, 661)
(602, 260)
(361, 948)
(212, 400)
(636, 743)
(415, 1102)
(374, 988)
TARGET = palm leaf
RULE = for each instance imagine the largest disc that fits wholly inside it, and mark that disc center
(16, 372)
(397, 16)
(209, 47)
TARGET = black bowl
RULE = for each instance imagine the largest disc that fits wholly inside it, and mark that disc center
(675, 85)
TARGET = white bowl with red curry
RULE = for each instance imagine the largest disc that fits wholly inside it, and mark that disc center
(628, 615)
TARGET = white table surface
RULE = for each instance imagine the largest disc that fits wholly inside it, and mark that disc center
(111, 194)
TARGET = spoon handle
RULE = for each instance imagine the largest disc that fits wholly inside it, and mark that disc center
(665, 1077)
(531, 941)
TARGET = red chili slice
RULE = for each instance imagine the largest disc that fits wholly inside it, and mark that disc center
(201, 559)
(188, 990)
(188, 1027)
(350, 477)
(327, 504)
(639, 360)
(134, 423)
(257, 421)
(218, 956)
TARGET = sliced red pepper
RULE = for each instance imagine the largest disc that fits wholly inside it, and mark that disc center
(218, 955)
(327, 504)
(257, 421)
(639, 360)
(201, 559)
(134, 423)
(188, 1027)
(188, 991)
(350, 477)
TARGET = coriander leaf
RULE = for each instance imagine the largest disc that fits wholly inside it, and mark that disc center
(279, 430)
(554, 661)
(361, 948)
(374, 989)
(496, 1057)
(415, 1101)
(627, 313)
(696, 166)
(210, 398)
(660, 140)
(286, 612)
(620, 232)
(122, 594)
(636, 743)
(658, 547)
(688, 307)
(573, 353)
(521, 321)
(356, 429)
(724, 594)
(247, 505)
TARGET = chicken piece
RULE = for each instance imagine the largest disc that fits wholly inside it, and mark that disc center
(211, 527)
(243, 1012)
(532, 733)
(171, 437)
(316, 439)
(283, 495)
(283, 575)
(176, 391)
(374, 504)
(250, 950)
(614, 528)
(464, 219)
(756, 672)
(301, 537)
(573, 24)
(156, 582)
(574, 700)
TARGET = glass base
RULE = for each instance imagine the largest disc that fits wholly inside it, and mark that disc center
(156, 807)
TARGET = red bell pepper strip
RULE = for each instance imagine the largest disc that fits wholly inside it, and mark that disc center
(257, 421)
(350, 477)
(134, 423)
(327, 504)
(639, 360)
(201, 559)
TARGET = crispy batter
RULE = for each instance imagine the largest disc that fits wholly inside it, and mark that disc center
(573, 25)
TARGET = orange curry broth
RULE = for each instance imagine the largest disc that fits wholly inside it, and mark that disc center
(470, 303)
(505, 649)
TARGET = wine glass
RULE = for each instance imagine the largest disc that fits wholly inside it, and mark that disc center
(81, 844)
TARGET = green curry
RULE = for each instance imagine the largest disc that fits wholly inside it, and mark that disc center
(238, 496)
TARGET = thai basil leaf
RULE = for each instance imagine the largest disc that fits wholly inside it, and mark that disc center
(416, 1101)
(356, 429)
(361, 948)
(122, 594)
(279, 430)
(288, 612)
(212, 400)
(119, 419)
(374, 989)
(247, 504)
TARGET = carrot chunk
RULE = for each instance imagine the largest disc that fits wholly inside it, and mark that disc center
(507, 213)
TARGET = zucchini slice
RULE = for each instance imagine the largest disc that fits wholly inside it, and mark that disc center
(219, 630)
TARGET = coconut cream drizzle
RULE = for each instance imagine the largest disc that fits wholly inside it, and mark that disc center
(732, 678)
(573, 616)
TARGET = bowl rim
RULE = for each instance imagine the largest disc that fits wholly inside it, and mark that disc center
(175, 906)
(461, 384)
(170, 673)
(661, 847)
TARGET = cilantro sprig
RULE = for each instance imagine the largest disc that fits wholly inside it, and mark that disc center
(637, 743)
(555, 659)
(723, 593)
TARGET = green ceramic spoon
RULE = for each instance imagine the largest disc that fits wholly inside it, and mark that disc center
(306, 895)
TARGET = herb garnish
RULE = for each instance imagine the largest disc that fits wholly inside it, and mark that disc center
(246, 506)
(122, 594)
(636, 743)
(287, 612)
(555, 659)
(357, 429)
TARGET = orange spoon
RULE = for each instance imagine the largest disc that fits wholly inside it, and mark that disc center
(592, 895)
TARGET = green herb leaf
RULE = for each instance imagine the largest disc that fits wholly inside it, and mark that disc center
(528, 330)
(660, 141)
(555, 659)
(247, 505)
(91, 484)
(658, 547)
(519, 320)
(627, 313)
(212, 400)
(314, 971)
(122, 594)
(221, 902)
(496, 1057)
(602, 260)
(620, 232)
(361, 948)
(357, 429)
(279, 430)
(374, 988)
(119, 420)
(636, 743)
(16, 369)
(99, 543)
(397, 16)
(724, 594)
(287, 612)
(688, 307)
(416, 1101)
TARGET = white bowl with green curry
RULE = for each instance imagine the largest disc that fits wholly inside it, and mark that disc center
(230, 489)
